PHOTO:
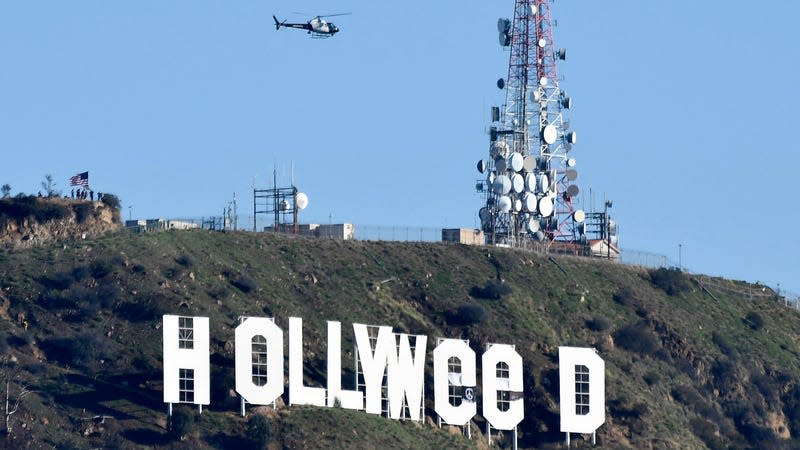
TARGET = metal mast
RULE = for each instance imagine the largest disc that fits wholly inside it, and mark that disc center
(529, 195)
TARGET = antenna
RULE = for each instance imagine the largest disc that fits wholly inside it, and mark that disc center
(528, 165)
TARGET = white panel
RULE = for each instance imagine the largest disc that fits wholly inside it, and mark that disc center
(196, 358)
(299, 393)
(568, 358)
(407, 377)
(454, 415)
(244, 334)
(373, 364)
(347, 399)
(502, 420)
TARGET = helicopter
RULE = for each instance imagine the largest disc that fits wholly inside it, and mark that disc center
(317, 27)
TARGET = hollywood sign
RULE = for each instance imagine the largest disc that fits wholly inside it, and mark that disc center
(259, 353)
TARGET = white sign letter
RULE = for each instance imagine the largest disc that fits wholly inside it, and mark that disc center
(583, 389)
(186, 360)
(373, 364)
(300, 394)
(406, 377)
(347, 399)
(259, 360)
(502, 353)
(442, 379)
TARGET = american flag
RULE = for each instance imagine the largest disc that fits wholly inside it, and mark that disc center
(81, 179)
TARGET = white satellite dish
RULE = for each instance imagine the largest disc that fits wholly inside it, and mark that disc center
(533, 225)
(484, 214)
(550, 134)
(542, 42)
(501, 185)
(530, 202)
(572, 137)
(579, 216)
(534, 10)
(504, 203)
(530, 182)
(517, 205)
(482, 165)
(543, 81)
(528, 163)
(571, 162)
(515, 161)
(517, 183)
(544, 183)
(490, 178)
(284, 205)
(553, 180)
(301, 200)
(546, 206)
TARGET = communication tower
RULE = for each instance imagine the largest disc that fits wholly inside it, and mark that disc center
(529, 190)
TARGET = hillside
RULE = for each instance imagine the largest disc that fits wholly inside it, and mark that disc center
(685, 367)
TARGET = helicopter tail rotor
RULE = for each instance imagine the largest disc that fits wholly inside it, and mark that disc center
(277, 23)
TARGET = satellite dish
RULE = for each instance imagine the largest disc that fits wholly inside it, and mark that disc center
(501, 185)
(517, 205)
(573, 190)
(530, 202)
(504, 38)
(528, 163)
(542, 42)
(482, 165)
(516, 161)
(484, 214)
(534, 10)
(562, 54)
(504, 203)
(517, 183)
(572, 137)
(539, 236)
(530, 182)
(550, 134)
(500, 165)
(545, 206)
(536, 96)
(572, 174)
(284, 205)
(490, 178)
(579, 216)
(301, 201)
(571, 162)
(533, 225)
(553, 178)
(544, 183)
(503, 25)
(543, 81)
(566, 102)
(501, 83)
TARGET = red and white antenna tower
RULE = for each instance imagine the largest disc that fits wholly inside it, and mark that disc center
(529, 190)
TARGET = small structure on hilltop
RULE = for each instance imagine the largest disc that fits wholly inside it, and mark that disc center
(281, 203)
(466, 236)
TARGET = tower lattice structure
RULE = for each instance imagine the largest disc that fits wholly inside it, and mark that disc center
(529, 192)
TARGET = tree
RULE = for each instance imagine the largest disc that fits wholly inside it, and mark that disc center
(49, 186)
(6, 190)
(15, 392)
(259, 431)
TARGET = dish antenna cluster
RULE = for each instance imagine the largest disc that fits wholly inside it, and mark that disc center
(529, 185)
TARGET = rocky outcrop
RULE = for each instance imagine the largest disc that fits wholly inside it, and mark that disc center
(29, 221)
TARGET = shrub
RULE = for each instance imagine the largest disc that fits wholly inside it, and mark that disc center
(651, 378)
(141, 311)
(672, 281)
(494, 290)
(471, 313)
(184, 422)
(100, 269)
(58, 281)
(707, 432)
(139, 269)
(79, 351)
(111, 200)
(637, 338)
(624, 296)
(218, 292)
(598, 323)
(244, 283)
(724, 346)
(185, 260)
(754, 320)
(259, 431)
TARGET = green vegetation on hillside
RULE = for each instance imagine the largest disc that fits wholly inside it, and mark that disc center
(684, 369)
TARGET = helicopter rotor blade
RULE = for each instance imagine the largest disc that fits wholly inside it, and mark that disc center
(334, 15)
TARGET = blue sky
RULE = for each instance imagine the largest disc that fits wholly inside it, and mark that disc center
(686, 113)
